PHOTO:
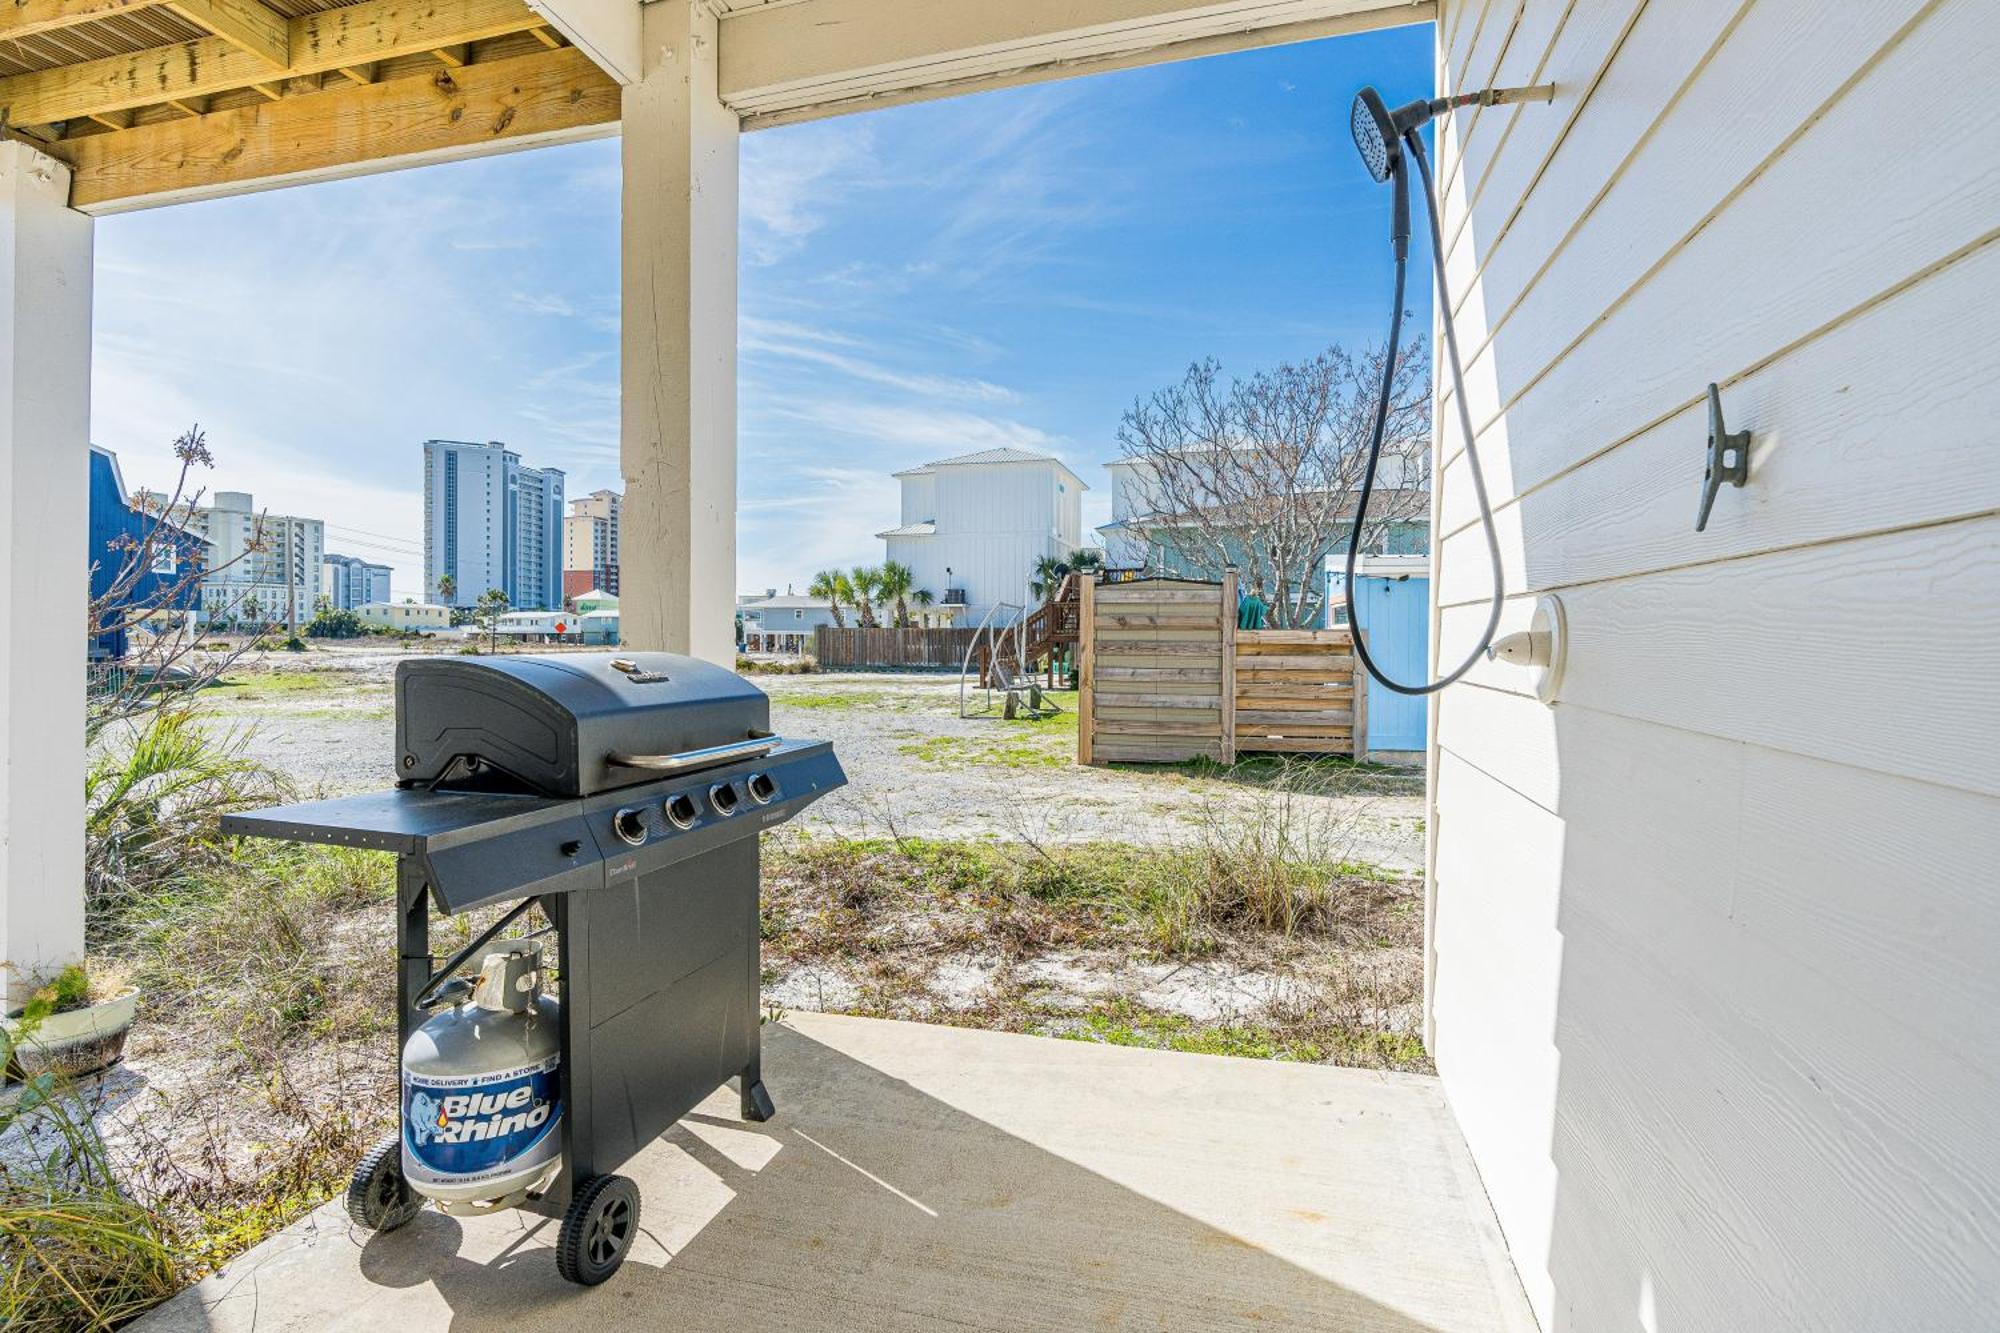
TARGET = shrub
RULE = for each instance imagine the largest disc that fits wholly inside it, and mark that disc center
(336, 623)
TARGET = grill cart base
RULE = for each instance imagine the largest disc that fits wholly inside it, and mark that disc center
(651, 894)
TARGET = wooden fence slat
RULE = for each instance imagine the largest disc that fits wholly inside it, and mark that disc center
(1121, 647)
(1208, 674)
(1129, 595)
(1111, 717)
(1226, 612)
(1086, 671)
(1290, 663)
(1113, 619)
(1303, 744)
(1295, 724)
(1163, 751)
(1360, 677)
(1107, 731)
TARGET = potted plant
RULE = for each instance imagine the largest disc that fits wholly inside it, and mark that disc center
(75, 1025)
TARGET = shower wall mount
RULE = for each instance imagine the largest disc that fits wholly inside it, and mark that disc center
(1543, 647)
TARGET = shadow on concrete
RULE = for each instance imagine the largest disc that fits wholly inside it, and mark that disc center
(865, 1205)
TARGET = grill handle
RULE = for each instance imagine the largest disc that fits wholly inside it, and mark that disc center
(706, 757)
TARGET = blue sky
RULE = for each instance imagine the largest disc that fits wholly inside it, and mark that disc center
(1010, 268)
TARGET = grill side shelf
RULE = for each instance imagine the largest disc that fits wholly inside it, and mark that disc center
(399, 820)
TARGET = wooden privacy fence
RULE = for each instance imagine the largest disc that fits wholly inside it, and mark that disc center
(891, 647)
(1167, 676)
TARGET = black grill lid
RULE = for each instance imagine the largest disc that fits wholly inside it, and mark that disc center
(552, 723)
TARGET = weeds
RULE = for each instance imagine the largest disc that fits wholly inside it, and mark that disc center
(151, 800)
(75, 1251)
(964, 931)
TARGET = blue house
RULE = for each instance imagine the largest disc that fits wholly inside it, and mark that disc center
(115, 529)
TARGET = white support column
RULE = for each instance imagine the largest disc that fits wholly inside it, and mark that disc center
(677, 584)
(44, 587)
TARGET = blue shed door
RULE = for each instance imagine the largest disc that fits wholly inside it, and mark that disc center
(1395, 613)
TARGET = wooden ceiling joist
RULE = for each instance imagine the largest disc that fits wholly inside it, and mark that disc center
(251, 28)
(26, 18)
(545, 93)
(316, 43)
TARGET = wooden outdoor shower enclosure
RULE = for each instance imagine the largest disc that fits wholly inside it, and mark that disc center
(1167, 676)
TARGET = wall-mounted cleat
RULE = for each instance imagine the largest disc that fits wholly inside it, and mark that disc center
(1728, 458)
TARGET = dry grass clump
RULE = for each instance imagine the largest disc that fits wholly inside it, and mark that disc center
(958, 932)
(75, 1251)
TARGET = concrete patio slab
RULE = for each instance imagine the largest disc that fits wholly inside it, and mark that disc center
(922, 1177)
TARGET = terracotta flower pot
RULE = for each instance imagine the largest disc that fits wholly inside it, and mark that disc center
(76, 1041)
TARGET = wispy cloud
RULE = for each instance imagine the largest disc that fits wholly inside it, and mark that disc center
(541, 303)
(787, 183)
(871, 372)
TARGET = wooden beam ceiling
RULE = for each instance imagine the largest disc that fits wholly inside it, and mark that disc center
(320, 43)
(26, 18)
(546, 93)
(255, 30)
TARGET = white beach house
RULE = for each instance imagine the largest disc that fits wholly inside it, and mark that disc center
(973, 526)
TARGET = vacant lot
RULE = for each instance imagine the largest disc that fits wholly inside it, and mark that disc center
(915, 768)
(972, 873)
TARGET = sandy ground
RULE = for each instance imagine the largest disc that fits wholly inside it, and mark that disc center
(915, 767)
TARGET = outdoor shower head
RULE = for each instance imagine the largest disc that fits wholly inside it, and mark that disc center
(1388, 140)
(1378, 131)
(1375, 135)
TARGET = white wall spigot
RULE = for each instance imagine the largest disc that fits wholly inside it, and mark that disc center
(1542, 647)
(1527, 648)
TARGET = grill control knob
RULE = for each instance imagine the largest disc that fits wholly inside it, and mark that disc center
(723, 797)
(630, 825)
(760, 787)
(681, 809)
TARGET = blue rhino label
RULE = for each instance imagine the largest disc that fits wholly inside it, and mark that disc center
(473, 1129)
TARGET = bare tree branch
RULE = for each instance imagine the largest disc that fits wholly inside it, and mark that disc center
(1263, 473)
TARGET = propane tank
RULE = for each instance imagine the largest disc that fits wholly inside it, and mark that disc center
(482, 1091)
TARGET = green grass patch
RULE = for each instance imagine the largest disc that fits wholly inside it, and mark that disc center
(284, 684)
(1126, 1022)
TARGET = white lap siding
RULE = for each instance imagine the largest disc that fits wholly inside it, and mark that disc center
(1714, 992)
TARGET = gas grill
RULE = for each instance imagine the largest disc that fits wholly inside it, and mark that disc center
(623, 795)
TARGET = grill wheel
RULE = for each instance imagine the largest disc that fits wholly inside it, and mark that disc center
(378, 1197)
(598, 1229)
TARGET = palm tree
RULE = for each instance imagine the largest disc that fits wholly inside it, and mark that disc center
(922, 599)
(867, 583)
(447, 588)
(832, 585)
(1049, 572)
(896, 581)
